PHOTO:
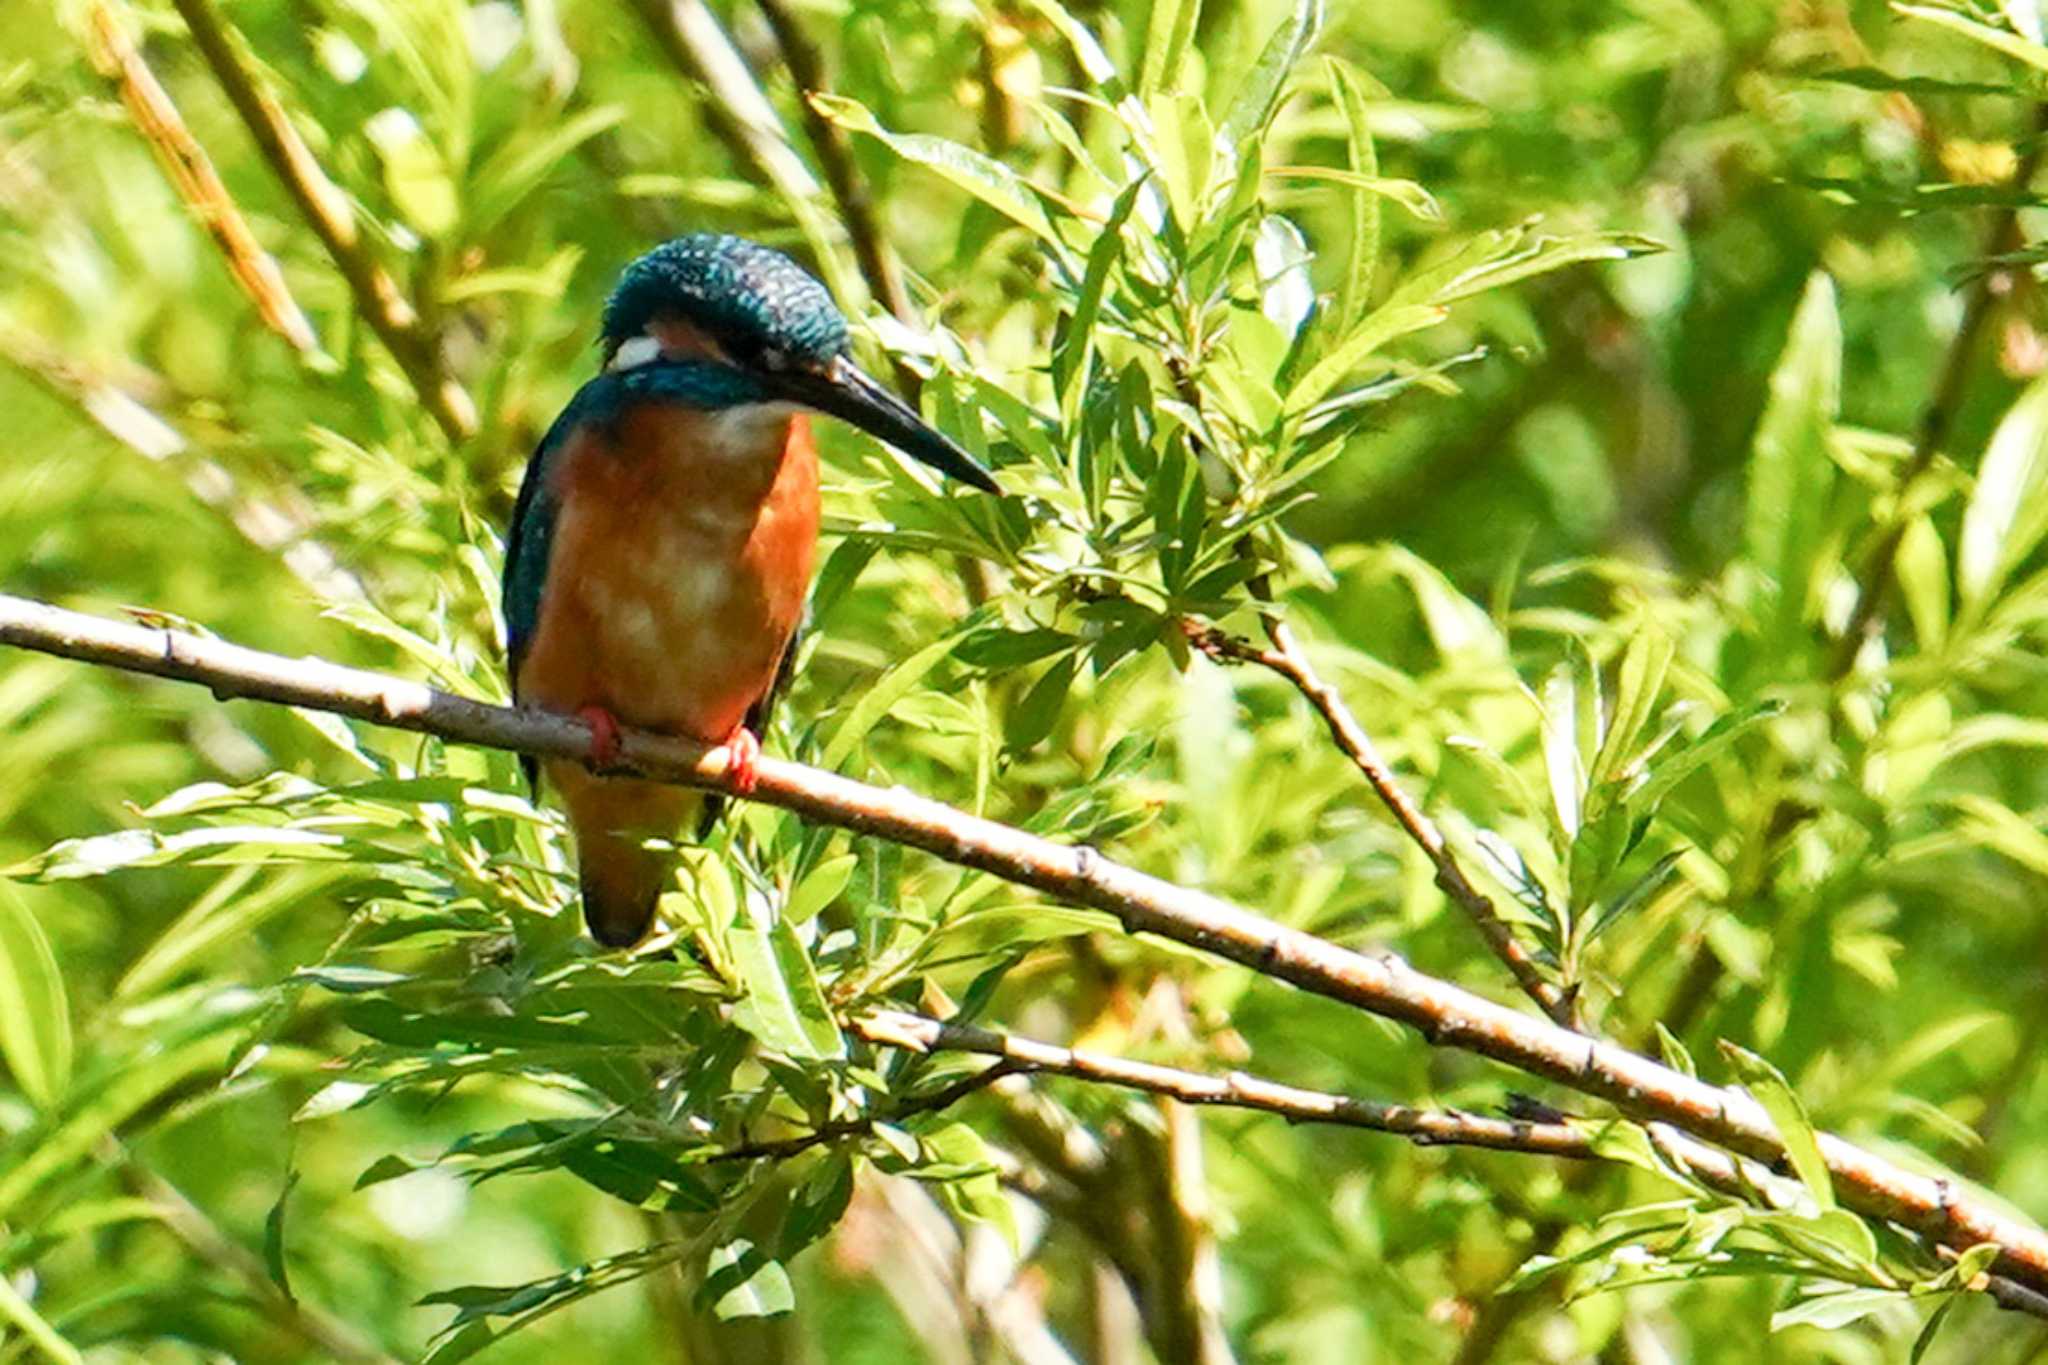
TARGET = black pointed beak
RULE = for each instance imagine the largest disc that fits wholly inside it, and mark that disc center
(843, 390)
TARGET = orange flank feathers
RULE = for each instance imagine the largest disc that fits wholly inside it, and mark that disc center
(677, 577)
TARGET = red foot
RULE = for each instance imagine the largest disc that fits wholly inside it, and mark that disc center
(742, 753)
(604, 736)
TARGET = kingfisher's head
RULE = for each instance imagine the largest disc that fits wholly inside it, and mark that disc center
(732, 302)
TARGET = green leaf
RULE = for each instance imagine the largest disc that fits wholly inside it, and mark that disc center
(2008, 509)
(782, 1004)
(1790, 472)
(1348, 89)
(1259, 96)
(1997, 39)
(1921, 567)
(1833, 1309)
(1674, 1052)
(1033, 718)
(745, 1282)
(820, 887)
(273, 1238)
(1781, 1102)
(1636, 690)
(1168, 36)
(983, 177)
(1925, 1340)
(1389, 322)
(817, 1205)
(1687, 756)
(1071, 356)
(35, 1009)
(1407, 193)
(890, 688)
(34, 1329)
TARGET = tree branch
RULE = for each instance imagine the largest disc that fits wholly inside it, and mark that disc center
(1423, 1127)
(197, 183)
(1381, 984)
(1874, 583)
(1287, 659)
(326, 210)
(835, 155)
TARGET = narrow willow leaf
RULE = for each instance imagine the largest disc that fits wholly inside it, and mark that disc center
(2008, 509)
(1559, 706)
(783, 1005)
(1259, 96)
(1167, 40)
(1385, 324)
(1070, 359)
(745, 1282)
(35, 1009)
(1790, 472)
(890, 688)
(1409, 194)
(987, 179)
(1833, 1309)
(1925, 1341)
(1795, 1129)
(1636, 689)
(1348, 89)
(820, 887)
(34, 1329)
(1921, 567)
(1997, 39)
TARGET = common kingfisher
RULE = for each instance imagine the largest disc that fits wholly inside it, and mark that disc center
(661, 547)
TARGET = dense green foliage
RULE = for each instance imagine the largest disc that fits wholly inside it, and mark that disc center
(1552, 370)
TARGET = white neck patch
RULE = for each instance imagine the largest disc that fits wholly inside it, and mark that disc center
(644, 349)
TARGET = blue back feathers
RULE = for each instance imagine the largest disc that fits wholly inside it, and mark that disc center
(748, 298)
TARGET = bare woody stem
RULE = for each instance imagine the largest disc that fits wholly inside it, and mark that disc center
(871, 249)
(1874, 582)
(1381, 984)
(1288, 660)
(1423, 1127)
(326, 210)
(196, 181)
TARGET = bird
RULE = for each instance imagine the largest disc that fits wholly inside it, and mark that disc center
(660, 551)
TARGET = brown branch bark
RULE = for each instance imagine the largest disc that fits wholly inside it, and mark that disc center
(197, 183)
(878, 265)
(326, 210)
(1287, 659)
(1381, 984)
(1424, 1127)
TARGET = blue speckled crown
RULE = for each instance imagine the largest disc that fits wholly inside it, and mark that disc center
(748, 297)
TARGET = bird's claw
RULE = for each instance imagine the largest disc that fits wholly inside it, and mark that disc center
(742, 754)
(604, 736)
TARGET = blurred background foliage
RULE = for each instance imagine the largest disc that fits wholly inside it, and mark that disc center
(1567, 376)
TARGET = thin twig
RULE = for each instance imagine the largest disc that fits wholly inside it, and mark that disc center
(878, 265)
(196, 181)
(327, 211)
(191, 1225)
(1874, 583)
(697, 46)
(1288, 660)
(1382, 984)
(279, 524)
(942, 1098)
(1702, 973)
(1423, 1127)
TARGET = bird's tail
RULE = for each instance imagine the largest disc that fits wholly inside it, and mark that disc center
(613, 818)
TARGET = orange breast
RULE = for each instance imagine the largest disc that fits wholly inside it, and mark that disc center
(680, 560)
